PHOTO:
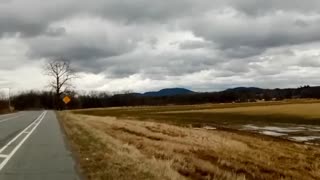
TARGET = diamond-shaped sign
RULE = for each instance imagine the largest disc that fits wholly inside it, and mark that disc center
(66, 99)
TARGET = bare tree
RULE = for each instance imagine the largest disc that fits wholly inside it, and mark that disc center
(61, 75)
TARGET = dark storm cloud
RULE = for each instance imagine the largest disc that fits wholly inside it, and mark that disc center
(12, 26)
(31, 18)
(148, 37)
(157, 66)
(86, 49)
(74, 52)
(146, 10)
(261, 7)
(257, 33)
(241, 52)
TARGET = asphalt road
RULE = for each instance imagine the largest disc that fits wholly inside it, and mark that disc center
(32, 147)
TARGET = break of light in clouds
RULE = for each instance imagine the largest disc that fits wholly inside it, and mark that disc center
(142, 45)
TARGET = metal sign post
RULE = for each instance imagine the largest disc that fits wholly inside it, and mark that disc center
(66, 101)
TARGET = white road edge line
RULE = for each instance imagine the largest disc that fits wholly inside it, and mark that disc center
(9, 156)
(17, 136)
(4, 120)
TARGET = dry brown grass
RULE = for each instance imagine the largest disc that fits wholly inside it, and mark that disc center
(110, 148)
(233, 116)
(311, 110)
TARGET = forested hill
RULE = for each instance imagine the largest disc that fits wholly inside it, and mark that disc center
(167, 92)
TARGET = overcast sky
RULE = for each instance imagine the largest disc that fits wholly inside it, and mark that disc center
(142, 45)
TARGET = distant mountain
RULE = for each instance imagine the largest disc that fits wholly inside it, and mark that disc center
(167, 92)
(244, 90)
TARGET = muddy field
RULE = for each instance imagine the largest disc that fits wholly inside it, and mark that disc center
(109, 148)
(298, 122)
(197, 142)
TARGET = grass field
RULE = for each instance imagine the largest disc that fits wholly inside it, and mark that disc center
(195, 142)
(220, 114)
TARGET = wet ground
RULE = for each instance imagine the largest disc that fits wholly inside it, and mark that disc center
(308, 134)
(298, 133)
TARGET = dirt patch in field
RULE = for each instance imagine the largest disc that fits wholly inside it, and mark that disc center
(112, 148)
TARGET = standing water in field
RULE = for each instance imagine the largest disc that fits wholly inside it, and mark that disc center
(298, 133)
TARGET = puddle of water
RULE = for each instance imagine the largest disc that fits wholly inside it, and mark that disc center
(280, 129)
(250, 127)
(272, 133)
(304, 138)
(286, 131)
(314, 130)
(209, 128)
(274, 128)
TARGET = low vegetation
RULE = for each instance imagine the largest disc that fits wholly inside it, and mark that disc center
(80, 100)
(222, 115)
(145, 143)
(4, 107)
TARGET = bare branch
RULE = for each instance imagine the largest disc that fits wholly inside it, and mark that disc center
(60, 71)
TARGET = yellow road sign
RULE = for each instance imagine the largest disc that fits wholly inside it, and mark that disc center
(66, 99)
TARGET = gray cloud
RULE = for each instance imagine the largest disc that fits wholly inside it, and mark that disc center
(310, 61)
(265, 32)
(256, 8)
(195, 44)
(158, 66)
(242, 52)
(244, 40)
(12, 26)
(31, 18)
(56, 31)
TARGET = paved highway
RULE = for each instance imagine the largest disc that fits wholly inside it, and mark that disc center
(32, 147)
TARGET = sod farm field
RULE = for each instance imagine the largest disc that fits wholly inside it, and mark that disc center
(276, 140)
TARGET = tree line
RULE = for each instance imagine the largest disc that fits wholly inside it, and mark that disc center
(47, 100)
(4, 103)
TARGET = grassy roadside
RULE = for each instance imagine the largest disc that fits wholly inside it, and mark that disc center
(103, 157)
(111, 148)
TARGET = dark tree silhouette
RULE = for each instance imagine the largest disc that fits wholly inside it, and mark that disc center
(61, 75)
